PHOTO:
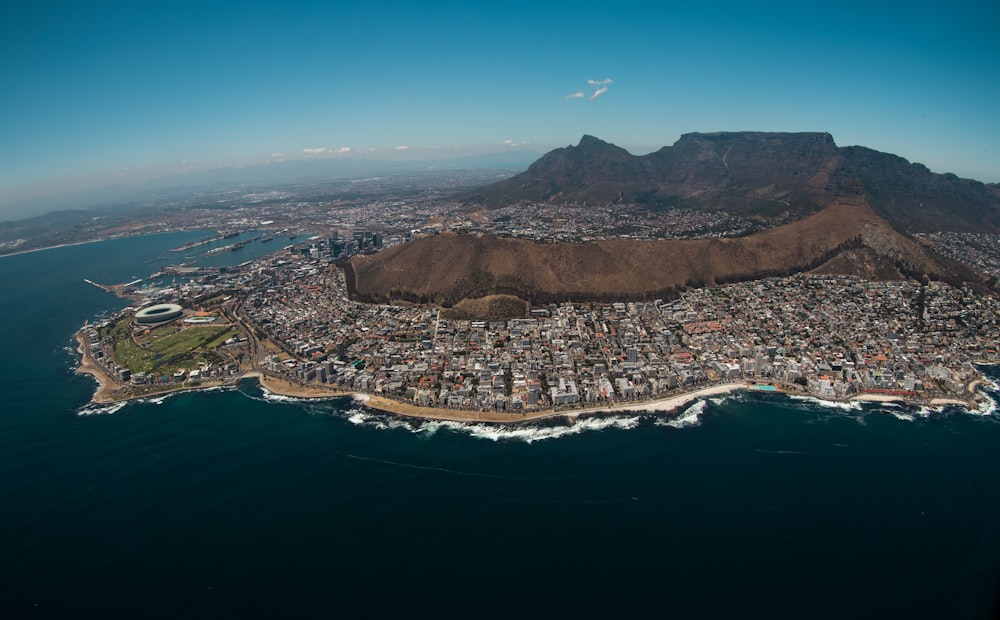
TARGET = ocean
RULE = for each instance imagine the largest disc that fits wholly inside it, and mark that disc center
(236, 503)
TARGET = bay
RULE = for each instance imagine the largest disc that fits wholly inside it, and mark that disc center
(235, 504)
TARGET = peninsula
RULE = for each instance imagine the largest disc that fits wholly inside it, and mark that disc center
(295, 329)
(441, 309)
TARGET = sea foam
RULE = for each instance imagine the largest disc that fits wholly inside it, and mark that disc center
(689, 417)
(527, 433)
(94, 409)
(851, 405)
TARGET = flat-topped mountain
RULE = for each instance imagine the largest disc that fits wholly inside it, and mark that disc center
(753, 173)
(845, 238)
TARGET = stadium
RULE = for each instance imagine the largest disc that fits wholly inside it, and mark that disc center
(160, 313)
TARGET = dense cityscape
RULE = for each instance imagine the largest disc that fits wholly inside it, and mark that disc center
(827, 336)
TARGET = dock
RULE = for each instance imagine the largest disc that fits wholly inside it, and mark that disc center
(100, 286)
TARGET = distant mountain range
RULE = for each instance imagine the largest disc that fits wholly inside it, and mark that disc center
(847, 211)
(753, 173)
(258, 175)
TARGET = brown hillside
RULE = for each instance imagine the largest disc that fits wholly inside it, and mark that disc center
(446, 269)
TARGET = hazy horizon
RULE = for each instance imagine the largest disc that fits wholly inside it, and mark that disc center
(122, 94)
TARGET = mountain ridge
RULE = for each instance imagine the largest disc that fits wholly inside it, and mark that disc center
(763, 174)
(847, 237)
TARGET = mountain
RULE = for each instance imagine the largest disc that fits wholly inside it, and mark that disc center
(753, 173)
(847, 237)
(257, 175)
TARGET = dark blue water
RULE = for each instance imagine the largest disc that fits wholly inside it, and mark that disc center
(225, 504)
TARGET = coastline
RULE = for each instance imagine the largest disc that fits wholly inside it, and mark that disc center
(669, 404)
(387, 405)
(108, 387)
(53, 247)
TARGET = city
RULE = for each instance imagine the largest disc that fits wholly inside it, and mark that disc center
(831, 337)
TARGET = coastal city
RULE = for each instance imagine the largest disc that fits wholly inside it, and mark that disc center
(287, 318)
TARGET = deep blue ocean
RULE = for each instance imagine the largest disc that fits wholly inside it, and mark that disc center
(236, 504)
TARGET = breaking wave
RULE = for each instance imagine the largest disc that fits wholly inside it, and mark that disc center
(161, 398)
(851, 405)
(527, 433)
(689, 417)
(108, 409)
(271, 397)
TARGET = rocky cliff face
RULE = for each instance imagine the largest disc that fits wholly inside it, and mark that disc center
(913, 198)
(753, 173)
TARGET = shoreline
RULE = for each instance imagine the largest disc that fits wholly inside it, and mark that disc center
(108, 386)
(53, 247)
(387, 405)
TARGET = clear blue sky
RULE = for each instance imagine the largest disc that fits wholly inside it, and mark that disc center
(99, 92)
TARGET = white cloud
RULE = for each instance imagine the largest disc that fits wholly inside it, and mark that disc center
(343, 150)
(402, 147)
(277, 155)
(600, 82)
(597, 93)
(509, 142)
(315, 151)
(577, 95)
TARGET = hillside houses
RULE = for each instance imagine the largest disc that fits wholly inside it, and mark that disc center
(830, 336)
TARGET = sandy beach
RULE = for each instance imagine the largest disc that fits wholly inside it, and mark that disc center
(663, 405)
(107, 385)
(676, 402)
(388, 405)
(933, 403)
(879, 398)
(282, 387)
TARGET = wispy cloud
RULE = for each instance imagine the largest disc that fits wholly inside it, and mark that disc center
(323, 151)
(402, 147)
(602, 87)
(597, 93)
(277, 155)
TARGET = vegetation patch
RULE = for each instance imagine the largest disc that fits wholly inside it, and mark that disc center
(169, 348)
(491, 307)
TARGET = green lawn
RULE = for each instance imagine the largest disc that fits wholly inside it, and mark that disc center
(169, 349)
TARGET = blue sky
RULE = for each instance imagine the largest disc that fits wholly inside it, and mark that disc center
(98, 93)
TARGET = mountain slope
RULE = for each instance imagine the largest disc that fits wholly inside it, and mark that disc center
(753, 173)
(447, 269)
